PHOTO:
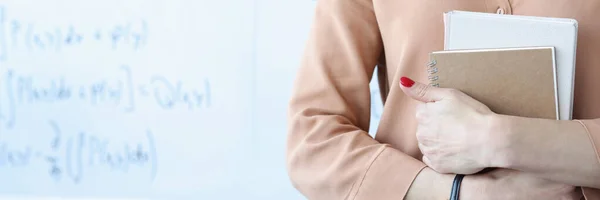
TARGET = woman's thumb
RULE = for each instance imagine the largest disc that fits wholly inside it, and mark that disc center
(419, 91)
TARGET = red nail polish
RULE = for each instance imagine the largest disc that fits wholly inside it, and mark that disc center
(406, 82)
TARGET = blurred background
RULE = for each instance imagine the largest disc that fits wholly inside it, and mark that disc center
(149, 99)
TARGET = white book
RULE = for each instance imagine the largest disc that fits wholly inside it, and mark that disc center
(474, 30)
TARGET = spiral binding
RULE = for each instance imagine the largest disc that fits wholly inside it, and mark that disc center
(432, 70)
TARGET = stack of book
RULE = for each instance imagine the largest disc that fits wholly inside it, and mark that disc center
(516, 65)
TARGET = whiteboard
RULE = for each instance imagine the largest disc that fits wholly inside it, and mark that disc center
(148, 99)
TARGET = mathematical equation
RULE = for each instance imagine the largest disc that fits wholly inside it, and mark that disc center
(16, 34)
(121, 92)
(69, 156)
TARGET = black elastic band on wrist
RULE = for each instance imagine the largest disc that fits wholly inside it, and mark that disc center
(456, 186)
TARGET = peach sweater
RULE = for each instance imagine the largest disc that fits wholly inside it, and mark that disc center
(330, 154)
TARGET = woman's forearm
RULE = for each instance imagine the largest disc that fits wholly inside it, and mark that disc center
(496, 184)
(557, 150)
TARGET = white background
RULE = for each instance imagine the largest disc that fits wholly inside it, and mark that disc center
(227, 66)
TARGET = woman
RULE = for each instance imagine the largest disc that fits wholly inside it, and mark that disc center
(331, 156)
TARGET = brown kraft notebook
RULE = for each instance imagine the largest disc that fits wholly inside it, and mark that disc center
(510, 81)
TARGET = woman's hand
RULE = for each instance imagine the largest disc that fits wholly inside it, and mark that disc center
(453, 129)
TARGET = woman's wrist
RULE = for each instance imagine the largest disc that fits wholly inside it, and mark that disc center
(501, 140)
(473, 187)
(430, 184)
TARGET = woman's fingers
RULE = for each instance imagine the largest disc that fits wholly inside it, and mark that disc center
(421, 92)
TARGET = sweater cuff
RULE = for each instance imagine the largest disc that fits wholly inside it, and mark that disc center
(389, 176)
(592, 127)
(591, 193)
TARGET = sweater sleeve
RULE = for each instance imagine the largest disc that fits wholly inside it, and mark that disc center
(593, 130)
(330, 155)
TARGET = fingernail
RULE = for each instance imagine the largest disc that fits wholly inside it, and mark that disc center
(406, 82)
